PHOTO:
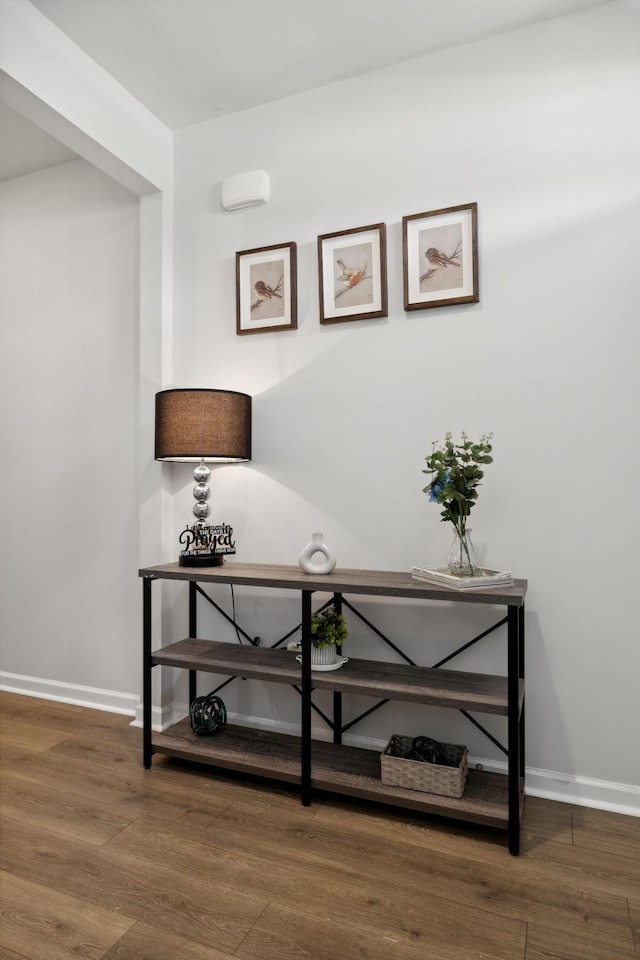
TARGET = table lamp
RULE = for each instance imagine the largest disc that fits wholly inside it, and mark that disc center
(203, 426)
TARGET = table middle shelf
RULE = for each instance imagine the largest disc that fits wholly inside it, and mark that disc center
(457, 689)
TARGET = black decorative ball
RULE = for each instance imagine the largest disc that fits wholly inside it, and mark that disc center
(208, 714)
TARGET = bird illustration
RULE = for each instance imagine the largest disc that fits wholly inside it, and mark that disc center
(349, 277)
(436, 259)
(265, 292)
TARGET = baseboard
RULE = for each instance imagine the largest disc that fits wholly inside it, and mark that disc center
(584, 791)
(621, 798)
(162, 717)
(110, 700)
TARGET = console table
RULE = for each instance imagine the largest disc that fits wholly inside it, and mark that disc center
(491, 799)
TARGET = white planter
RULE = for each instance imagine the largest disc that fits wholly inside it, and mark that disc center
(324, 656)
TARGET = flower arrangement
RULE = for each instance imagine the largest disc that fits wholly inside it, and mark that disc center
(328, 627)
(456, 473)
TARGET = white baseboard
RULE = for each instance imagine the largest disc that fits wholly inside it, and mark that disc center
(621, 798)
(583, 791)
(162, 717)
(93, 697)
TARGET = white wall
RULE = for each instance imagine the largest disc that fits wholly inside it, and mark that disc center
(48, 79)
(537, 127)
(69, 374)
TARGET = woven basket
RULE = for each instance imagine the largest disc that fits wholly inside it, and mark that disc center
(396, 771)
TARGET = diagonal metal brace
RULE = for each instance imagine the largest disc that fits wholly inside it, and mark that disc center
(379, 633)
(483, 730)
(470, 643)
(317, 709)
(226, 616)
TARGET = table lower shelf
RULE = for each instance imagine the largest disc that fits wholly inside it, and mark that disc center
(335, 768)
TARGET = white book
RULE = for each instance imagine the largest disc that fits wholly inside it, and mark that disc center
(483, 580)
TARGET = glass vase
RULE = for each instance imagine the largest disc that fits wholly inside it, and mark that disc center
(462, 560)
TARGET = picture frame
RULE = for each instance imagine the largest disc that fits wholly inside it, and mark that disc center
(266, 289)
(352, 274)
(440, 257)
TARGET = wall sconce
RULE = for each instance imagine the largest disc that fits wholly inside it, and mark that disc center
(203, 426)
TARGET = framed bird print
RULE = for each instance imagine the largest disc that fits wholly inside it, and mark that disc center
(352, 268)
(266, 295)
(440, 254)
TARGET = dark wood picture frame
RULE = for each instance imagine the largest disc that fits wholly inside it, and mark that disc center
(440, 257)
(266, 289)
(352, 274)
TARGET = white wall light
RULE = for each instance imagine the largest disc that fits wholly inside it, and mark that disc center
(245, 190)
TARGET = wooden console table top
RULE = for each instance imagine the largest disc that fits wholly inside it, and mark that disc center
(372, 582)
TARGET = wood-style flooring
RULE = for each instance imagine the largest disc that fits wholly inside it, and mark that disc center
(103, 860)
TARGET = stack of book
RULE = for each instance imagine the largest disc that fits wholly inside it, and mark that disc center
(484, 579)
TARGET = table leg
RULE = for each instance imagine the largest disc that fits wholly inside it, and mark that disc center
(337, 695)
(146, 671)
(193, 633)
(514, 729)
(305, 764)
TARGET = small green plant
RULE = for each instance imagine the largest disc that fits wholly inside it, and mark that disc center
(328, 627)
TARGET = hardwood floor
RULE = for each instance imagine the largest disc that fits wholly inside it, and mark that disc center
(102, 859)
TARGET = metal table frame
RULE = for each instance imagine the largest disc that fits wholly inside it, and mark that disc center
(339, 583)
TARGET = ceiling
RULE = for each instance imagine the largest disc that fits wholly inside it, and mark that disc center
(189, 61)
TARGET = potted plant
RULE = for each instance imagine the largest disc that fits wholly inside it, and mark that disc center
(328, 631)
